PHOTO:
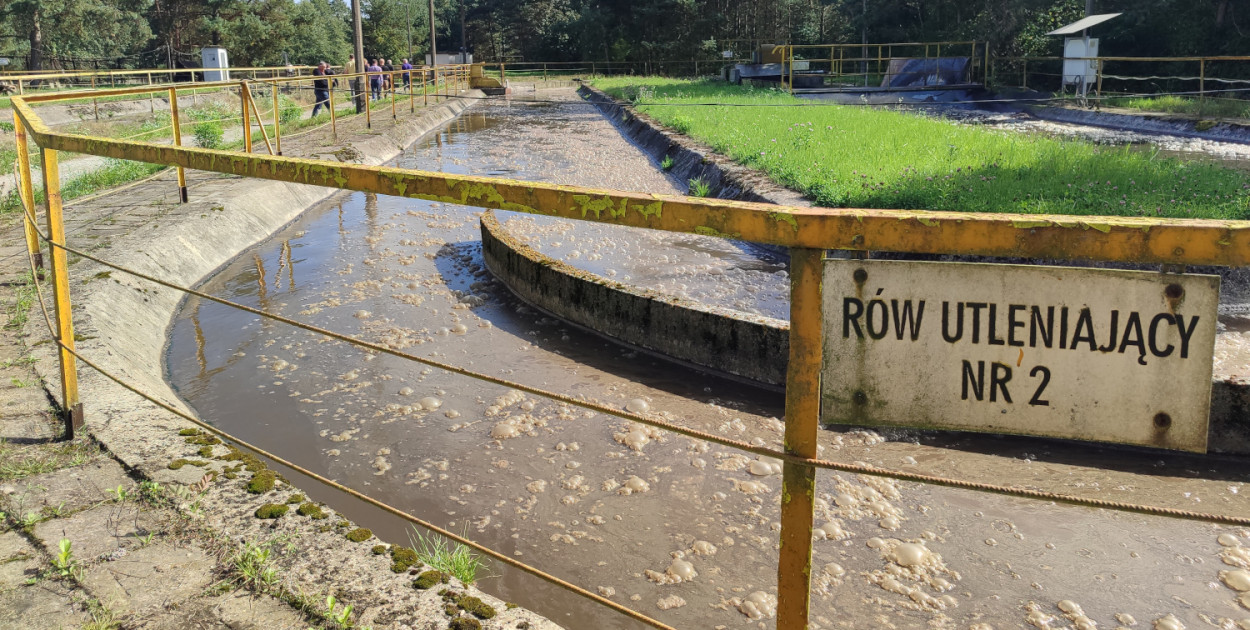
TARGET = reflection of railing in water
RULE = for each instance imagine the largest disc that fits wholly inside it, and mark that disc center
(807, 232)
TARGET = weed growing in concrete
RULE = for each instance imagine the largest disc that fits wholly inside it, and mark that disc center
(250, 568)
(20, 463)
(65, 564)
(101, 617)
(119, 493)
(23, 299)
(341, 616)
(699, 188)
(454, 560)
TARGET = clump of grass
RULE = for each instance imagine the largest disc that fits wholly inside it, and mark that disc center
(699, 188)
(250, 567)
(455, 560)
(1171, 104)
(862, 157)
(666, 163)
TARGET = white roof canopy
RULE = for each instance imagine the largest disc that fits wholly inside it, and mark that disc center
(1083, 23)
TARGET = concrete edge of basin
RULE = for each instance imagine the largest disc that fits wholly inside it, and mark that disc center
(709, 338)
(1229, 430)
(122, 324)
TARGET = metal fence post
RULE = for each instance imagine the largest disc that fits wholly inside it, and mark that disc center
(334, 127)
(247, 118)
(60, 293)
(26, 190)
(394, 116)
(173, 115)
(1202, 78)
(425, 86)
(794, 566)
(368, 98)
(277, 122)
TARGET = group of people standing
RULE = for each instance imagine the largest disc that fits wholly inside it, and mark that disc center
(378, 83)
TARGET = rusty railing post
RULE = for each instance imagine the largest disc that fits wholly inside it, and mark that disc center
(425, 86)
(26, 190)
(794, 566)
(71, 407)
(259, 121)
(394, 116)
(95, 104)
(173, 116)
(412, 93)
(368, 98)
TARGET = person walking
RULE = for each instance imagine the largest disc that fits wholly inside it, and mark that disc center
(321, 88)
(375, 80)
(350, 68)
(388, 68)
(407, 68)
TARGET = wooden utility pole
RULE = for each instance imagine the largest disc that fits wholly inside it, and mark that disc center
(360, 57)
(433, 44)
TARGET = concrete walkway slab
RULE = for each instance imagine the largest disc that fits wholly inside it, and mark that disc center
(150, 579)
(68, 490)
(239, 610)
(43, 606)
(19, 561)
(99, 531)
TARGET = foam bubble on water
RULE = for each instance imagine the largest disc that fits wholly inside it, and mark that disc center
(678, 571)
(672, 601)
(831, 530)
(637, 405)
(460, 329)
(634, 484)
(537, 486)
(1168, 622)
(1125, 619)
(703, 548)
(362, 314)
(451, 413)
(1228, 540)
(1238, 579)
(759, 605)
(607, 591)
(431, 403)
(1076, 615)
(764, 468)
(835, 570)
(381, 465)
(909, 554)
(405, 391)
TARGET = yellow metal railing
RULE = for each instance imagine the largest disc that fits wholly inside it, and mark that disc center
(807, 232)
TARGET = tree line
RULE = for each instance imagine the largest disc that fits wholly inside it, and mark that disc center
(41, 34)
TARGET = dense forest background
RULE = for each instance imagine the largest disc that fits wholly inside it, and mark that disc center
(153, 33)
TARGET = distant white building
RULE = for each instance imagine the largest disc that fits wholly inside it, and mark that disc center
(445, 59)
(216, 64)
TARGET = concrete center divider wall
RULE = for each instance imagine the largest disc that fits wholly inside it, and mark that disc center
(122, 325)
(709, 338)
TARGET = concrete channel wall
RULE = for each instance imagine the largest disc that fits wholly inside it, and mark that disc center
(707, 337)
(1163, 124)
(122, 324)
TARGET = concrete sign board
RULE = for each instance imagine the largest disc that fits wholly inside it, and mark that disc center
(1087, 354)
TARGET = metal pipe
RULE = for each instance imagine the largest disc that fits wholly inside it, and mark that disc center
(277, 122)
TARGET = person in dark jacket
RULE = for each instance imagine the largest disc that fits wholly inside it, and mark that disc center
(407, 68)
(387, 66)
(321, 88)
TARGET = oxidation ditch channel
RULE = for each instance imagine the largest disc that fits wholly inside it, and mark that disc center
(681, 530)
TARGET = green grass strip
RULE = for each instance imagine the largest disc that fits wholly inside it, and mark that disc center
(847, 156)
